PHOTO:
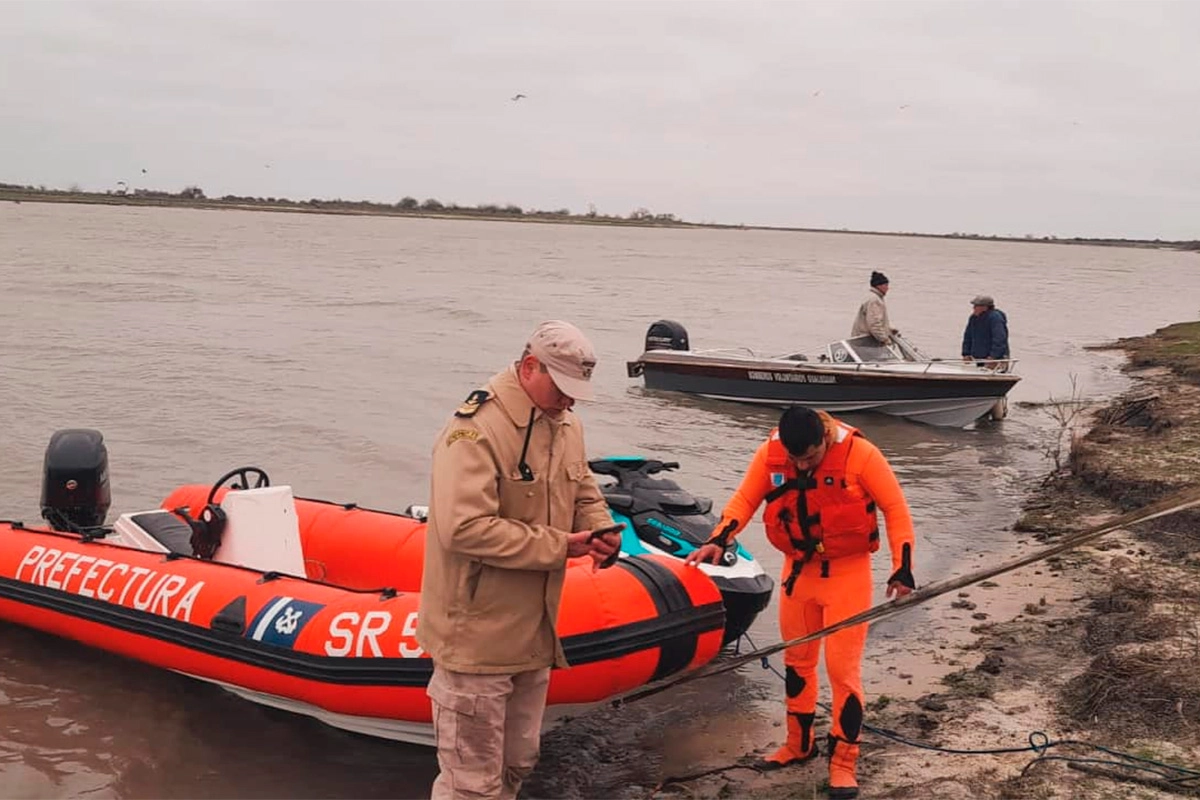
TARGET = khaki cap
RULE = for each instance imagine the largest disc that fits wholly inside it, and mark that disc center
(568, 357)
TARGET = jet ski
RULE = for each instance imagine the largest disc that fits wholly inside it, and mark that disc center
(662, 519)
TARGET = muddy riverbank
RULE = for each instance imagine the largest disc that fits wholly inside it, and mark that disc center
(1098, 646)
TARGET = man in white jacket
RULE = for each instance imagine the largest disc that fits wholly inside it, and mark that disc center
(872, 318)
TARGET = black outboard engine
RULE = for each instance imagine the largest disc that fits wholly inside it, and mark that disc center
(666, 334)
(75, 493)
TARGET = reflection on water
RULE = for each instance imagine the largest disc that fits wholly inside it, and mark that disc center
(329, 350)
(83, 723)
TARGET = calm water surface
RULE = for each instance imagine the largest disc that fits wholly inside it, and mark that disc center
(329, 350)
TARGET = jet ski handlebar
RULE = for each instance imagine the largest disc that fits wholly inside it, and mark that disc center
(617, 466)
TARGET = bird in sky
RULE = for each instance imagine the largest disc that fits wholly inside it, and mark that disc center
(143, 171)
(903, 107)
(517, 97)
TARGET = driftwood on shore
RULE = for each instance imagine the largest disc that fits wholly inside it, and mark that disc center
(1127, 410)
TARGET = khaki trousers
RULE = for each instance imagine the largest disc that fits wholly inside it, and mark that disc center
(488, 730)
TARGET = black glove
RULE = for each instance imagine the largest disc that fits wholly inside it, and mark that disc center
(904, 576)
(722, 538)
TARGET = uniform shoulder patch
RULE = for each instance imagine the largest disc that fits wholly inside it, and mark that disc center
(462, 433)
(474, 400)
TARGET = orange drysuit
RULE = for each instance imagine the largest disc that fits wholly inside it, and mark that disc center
(825, 523)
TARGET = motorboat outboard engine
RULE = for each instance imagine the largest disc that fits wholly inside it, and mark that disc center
(666, 334)
(75, 492)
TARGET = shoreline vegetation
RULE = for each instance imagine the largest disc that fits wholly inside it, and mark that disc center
(194, 197)
(1110, 659)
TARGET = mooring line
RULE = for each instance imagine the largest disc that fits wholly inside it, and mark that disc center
(1172, 504)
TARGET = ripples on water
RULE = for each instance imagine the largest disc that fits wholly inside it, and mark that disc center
(329, 351)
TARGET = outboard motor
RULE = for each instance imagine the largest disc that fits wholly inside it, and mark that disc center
(666, 334)
(75, 492)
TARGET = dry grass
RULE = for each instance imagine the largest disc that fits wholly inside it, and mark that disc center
(1176, 346)
(1138, 692)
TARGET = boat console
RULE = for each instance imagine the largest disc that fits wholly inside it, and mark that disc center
(255, 528)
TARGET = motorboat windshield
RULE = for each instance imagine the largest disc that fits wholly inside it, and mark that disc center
(861, 350)
(868, 350)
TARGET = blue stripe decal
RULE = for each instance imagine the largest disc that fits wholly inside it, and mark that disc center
(281, 620)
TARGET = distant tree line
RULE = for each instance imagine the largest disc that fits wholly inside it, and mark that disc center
(195, 195)
(411, 204)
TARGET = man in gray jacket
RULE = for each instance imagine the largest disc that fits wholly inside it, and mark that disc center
(872, 318)
(511, 499)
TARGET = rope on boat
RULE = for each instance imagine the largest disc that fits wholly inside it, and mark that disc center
(1172, 504)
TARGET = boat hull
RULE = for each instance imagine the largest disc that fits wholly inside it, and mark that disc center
(935, 394)
(348, 656)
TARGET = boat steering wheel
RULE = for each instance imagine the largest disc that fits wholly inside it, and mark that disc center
(260, 480)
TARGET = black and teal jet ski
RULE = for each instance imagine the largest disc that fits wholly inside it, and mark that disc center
(662, 518)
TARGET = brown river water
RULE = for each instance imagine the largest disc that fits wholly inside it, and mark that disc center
(329, 350)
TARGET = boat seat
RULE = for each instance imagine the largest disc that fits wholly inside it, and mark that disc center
(654, 495)
(167, 529)
(618, 500)
(670, 501)
(646, 494)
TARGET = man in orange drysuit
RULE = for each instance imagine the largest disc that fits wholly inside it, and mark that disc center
(822, 482)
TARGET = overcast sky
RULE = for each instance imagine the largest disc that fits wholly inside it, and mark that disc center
(994, 117)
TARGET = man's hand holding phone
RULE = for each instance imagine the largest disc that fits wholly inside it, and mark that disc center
(605, 545)
(602, 544)
(617, 528)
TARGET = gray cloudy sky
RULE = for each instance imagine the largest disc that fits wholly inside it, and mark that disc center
(988, 117)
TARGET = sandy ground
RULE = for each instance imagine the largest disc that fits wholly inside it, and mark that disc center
(1097, 646)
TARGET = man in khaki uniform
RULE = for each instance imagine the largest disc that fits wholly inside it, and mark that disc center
(872, 317)
(511, 500)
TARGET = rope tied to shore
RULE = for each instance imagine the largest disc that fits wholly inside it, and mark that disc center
(1172, 504)
(1118, 766)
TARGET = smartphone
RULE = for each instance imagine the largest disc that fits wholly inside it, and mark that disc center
(620, 526)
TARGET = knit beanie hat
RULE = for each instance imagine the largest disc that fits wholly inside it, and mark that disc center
(878, 279)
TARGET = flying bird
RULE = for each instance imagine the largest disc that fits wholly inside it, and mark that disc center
(143, 172)
(903, 107)
(517, 97)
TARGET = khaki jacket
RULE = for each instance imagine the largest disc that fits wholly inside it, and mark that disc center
(872, 319)
(496, 547)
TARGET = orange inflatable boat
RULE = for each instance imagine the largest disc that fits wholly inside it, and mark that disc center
(306, 605)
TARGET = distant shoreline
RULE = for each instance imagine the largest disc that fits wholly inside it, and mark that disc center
(16, 194)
